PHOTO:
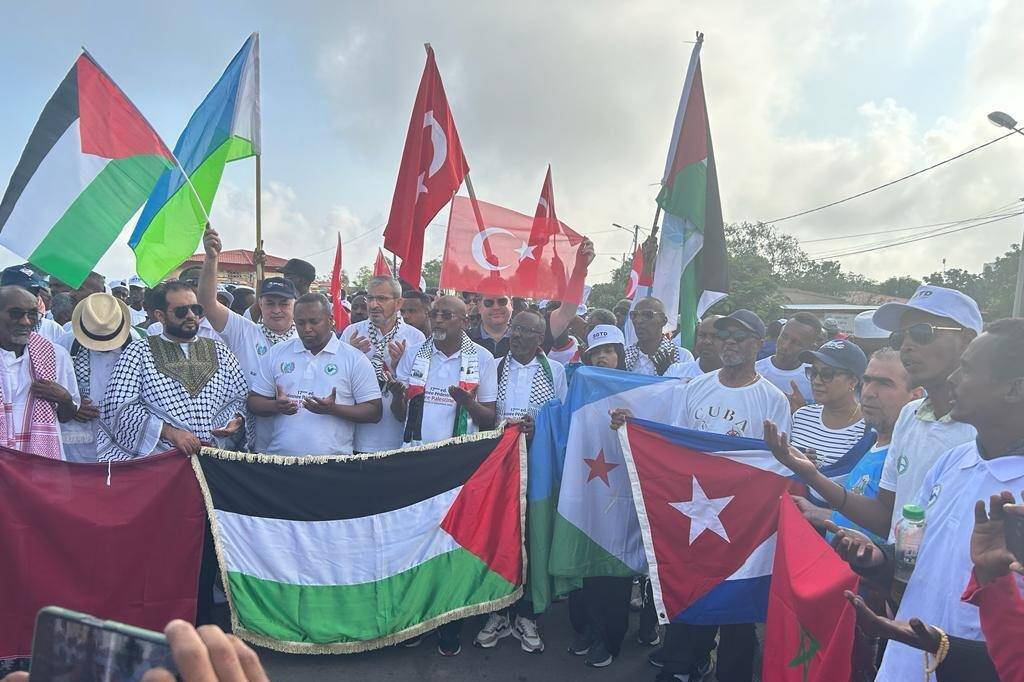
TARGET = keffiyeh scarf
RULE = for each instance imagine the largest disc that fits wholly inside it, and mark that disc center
(542, 388)
(469, 379)
(40, 433)
(274, 338)
(380, 343)
(633, 353)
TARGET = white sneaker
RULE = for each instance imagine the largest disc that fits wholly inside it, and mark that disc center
(497, 628)
(525, 630)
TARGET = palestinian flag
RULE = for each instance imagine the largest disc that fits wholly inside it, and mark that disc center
(89, 164)
(691, 272)
(348, 554)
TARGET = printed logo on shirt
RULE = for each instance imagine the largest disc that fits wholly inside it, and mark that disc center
(261, 349)
(287, 367)
(934, 494)
(861, 485)
(718, 419)
(902, 464)
(331, 369)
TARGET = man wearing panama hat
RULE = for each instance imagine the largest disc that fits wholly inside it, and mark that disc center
(100, 330)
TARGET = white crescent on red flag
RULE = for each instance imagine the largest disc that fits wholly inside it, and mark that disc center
(381, 267)
(545, 220)
(432, 170)
(515, 266)
(635, 272)
(340, 313)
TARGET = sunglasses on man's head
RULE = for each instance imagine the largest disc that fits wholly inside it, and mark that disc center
(645, 315)
(826, 374)
(921, 333)
(446, 315)
(181, 311)
(490, 302)
(739, 335)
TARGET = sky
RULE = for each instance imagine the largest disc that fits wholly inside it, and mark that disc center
(808, 102)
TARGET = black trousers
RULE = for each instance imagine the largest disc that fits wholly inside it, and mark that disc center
(687, 646)
(602, 609)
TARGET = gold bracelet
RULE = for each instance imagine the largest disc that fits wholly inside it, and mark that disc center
(940, 655)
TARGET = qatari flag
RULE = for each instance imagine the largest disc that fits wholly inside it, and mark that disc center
(120, 543)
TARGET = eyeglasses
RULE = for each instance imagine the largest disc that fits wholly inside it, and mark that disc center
(181, 311)
(17, 313)
(446, 315)
(524, 331)
(921, 333)
(826, 374)
(645, 315)
(380, 299)
(739, 335)
(490, 302)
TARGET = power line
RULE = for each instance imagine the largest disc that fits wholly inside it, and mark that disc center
(950, 223)
(892, 182)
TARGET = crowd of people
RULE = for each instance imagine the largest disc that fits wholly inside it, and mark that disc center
(923, 398)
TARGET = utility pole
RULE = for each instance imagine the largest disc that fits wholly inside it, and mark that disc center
(1018, 295)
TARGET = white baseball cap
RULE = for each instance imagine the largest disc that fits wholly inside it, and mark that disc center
(603, 334)
(940, 301)
(865, 328)
(136, 281)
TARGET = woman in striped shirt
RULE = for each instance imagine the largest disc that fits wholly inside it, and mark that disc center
(834, 424)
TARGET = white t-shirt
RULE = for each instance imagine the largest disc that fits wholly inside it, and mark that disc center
(206, 330)
(387, 433)
(301, 374)
(918, 439)
(780, 378)
(439, 408)
(704, 404)
(49, 329)
(17, 378)
(830, 444)
(948, 493)
(519, 384)
(684, 370)
(138, 316)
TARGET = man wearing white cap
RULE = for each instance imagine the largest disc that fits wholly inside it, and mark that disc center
(100, 329)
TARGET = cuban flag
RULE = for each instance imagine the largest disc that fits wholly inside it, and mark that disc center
(708, 507)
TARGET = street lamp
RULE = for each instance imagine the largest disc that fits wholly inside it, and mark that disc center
(1004, 120)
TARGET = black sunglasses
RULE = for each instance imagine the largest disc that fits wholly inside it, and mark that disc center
(739, 335)
(17, 313)
(921, 333)
(489, 302)
(826, 374)
(645, 315)
(445, 315)
(181, 311)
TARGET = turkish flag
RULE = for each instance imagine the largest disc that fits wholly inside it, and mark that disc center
(340, 313)
(381, 267)
(809, 632)
(707, 513)
(432, 170)
(545, 221)
(501, 258)
(637, 277)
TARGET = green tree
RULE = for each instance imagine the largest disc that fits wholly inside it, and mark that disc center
(752, 285)
(432, 272)
(607, 294)
(362, 277)
(955, 278)
(902, 286)
(995, 288)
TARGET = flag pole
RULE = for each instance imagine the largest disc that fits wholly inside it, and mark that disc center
(259, 217)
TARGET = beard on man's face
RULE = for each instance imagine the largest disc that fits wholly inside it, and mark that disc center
(186, 329)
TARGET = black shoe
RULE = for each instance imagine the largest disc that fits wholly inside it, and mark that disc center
(598, 656)
(657, 658)
(412, 643)
(652, 638)
(448, 645)
(581, 644)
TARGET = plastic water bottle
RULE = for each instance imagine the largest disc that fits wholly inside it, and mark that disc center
(909, 533)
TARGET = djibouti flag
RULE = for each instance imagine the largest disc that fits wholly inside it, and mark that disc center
(225, 127)
(87, 167)
(347, 554)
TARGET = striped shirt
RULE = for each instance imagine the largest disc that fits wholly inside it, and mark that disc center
(810, 433)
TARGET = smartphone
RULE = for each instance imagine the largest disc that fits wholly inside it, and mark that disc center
(77, 647)
(1013, 529)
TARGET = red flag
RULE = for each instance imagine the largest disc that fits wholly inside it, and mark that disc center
(127, 551)
(637, 276)
(516, 266)
(381, 267)
(340, 313)
(432, 170)
(545, 221)
(809, 632)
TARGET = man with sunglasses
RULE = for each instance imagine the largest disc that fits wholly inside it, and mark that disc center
(175, 390)
(493, 332)
(652, 353)
(37, 380)
(25, 276)
(383, 338)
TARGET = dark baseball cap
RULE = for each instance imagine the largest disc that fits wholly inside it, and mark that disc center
(23, 276)
(277, 286)
(747, 319)
(297, 266)
(841, 355)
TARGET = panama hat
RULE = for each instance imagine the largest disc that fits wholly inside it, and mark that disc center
(101, 322)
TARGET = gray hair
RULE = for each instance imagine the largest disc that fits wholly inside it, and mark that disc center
(62, 304)
(396, 287)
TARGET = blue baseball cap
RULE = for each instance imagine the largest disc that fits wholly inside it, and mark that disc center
(747, 319)
(839, 354)
(277, 286)
(23, 276)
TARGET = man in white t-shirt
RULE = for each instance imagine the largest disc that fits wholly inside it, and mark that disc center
(734, 400)
(705, 347)
(315, 389)
(384, 338)
(249, 341)
(931, 331)
(802, 332)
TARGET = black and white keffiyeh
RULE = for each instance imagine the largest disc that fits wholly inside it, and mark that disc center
(274, 338)
(542, 388)
(633, 353)
(380, 343)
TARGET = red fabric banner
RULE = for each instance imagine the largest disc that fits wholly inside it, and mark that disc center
(381, 267)
(340, 313)
(128, 551)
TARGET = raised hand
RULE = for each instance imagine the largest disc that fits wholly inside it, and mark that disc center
(796, 398)
(586, 253)
(854, 547)
(230, 429)
(88, 411)
(396, 349)
(211, 242)
(662, 361)
(461, 395)
(988, 541)
(321, 405)
(912, 633)
(360, 342)
(283, 404)
(619, 416)
(787, 455)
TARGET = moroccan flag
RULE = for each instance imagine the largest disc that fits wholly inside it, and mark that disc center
(637, 277)
(347, 554)
(809, 633)
(340, 314)
(225, 127)
(432, 170)
(467, 266)
(121, 543)
(691, 271)
(89, 164)
(709, 508)
(381, 267)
